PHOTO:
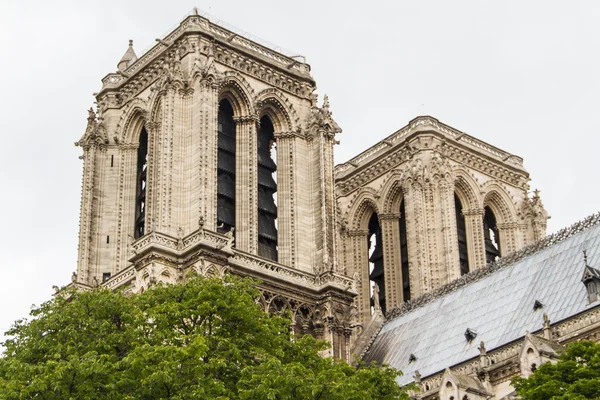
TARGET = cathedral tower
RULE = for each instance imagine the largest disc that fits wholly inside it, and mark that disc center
(209, 154)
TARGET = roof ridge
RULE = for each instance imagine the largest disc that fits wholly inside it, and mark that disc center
(494, 266)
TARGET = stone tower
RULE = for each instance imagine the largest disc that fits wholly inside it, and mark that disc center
(426, 205)
(209, 154)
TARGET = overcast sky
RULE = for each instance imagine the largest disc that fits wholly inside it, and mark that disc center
(521, 75)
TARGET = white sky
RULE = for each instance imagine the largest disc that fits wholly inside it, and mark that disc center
(523, 76)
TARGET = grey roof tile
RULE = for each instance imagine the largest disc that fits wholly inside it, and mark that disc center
(498, 306)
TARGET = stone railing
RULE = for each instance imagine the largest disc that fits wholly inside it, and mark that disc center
(288, 274)
(201, 23)
(154, 239)
(395, 138)
(121, 278)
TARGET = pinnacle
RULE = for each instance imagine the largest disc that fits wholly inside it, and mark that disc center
(128, 58)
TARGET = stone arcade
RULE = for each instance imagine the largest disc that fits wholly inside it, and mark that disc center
(210, 153)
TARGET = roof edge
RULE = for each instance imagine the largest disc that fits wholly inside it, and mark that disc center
(492, 267)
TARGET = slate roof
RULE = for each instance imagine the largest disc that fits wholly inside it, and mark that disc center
(496, 302)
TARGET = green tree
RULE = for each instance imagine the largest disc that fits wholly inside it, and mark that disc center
(207, 339)
(575, 376)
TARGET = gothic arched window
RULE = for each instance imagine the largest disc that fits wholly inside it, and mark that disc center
(491, 236)
(404, 254)
(141, 182)
(267, 187)
(225, 168)
(376, 273)
(461, 230)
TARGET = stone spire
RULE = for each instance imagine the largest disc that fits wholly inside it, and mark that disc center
(128, 58)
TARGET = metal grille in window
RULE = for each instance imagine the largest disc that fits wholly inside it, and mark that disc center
(376, 259)
(490, 236)
(142, 172)
(461, 230)
(267, 187)
(225, 168)
(404, 254)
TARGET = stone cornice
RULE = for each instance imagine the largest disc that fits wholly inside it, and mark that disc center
(360, 174)
(177, 249)
(455, 138)
(230, 49)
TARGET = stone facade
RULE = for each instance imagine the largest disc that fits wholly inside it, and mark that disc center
(152, 216)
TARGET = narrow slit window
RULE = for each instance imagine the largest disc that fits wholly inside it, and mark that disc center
(404, 254)
(226, 165)
(267, 190)
(491, 236)
(376, 271)
(461, 231)
(142, 172)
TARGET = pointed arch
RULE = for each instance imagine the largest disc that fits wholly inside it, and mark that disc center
(499, 202)
(239, 93)
(133, 119)
(363, 205)
(467, 190)
(273, 103)
(499, 211)
(392, 192)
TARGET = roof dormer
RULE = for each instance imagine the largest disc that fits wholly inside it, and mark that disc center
(591, 280)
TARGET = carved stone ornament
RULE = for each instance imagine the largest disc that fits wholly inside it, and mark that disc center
(321, 120)
(95, 132)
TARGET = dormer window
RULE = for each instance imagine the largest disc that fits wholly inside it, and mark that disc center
(591, 280)
(592, 289)
(470, 334)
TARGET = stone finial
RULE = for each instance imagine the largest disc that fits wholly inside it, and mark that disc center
(482, 350)
(546, 328)
(417, 376)
(128, 58)
(91, 115)
(326, 103)
(74, 277)
(195, 11)
(376, 304)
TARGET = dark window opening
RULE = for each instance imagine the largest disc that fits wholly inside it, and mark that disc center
(105, 276)
(225, 168)
(112, 160)
(267, 188)
(376, 273)
(461, 230)
(404, 254)
(107, 239)
(142, 170)
(490, 236)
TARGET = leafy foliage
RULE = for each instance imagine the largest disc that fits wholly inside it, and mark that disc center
(576, 376)
(207, 339)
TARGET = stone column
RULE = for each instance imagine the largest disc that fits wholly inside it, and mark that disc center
(448, 235)
(187, 216)
(356, 243)
(392, 266)
(475, 237)
(126, 202)
(86, 213)
(204, 120)
(416, 240)
(245, 135)
(508, 240)
(286, 200)
(162, 218)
